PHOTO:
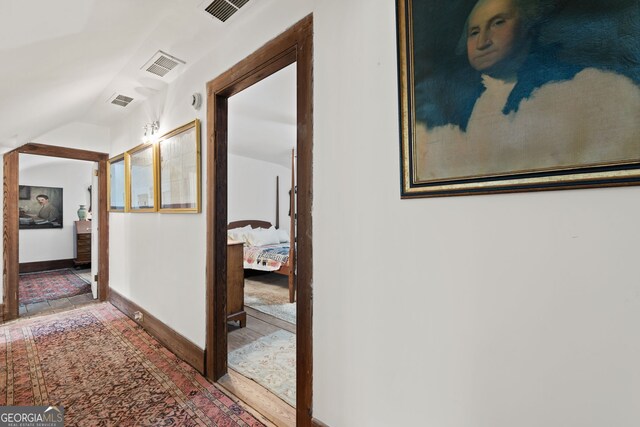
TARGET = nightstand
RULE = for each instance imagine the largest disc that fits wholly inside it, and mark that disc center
(82, 232)
(235, 283)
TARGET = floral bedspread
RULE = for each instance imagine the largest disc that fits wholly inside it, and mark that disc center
(266, 258)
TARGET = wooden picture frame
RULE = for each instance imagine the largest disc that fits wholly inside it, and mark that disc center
(141, 178)
(555, 108)
(179, 174)
(116, 188)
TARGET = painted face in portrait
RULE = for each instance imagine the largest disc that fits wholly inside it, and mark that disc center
(495, 37)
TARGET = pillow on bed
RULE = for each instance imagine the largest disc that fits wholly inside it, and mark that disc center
(283, 235)
(239, 234)
(262, 237)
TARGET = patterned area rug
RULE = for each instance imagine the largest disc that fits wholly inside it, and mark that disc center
(271, 362)
(50, 285)
(106, 371)
(269, 293)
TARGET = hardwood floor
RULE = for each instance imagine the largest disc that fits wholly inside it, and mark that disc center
(258, 325)
(253, 394)
(267, 404)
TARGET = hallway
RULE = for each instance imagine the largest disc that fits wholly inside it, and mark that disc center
(103, 369)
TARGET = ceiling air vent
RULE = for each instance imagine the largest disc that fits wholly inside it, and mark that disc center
(120, 100)
(238, 3)
(223, 9)
(161, 64)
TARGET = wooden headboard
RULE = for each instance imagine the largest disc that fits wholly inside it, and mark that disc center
(254, 223)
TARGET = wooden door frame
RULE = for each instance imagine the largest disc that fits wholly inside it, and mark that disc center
(11, 225)
(294, 45)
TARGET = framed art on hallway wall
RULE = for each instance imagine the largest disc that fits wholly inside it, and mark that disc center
(116, 191)
(140, 179)
(40, 207)
(178, 158)
(518, 95)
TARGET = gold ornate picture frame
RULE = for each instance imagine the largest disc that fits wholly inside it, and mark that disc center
(116, 188)
(141, 177)
(179, 174)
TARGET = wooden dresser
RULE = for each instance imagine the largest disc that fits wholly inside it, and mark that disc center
(235, 283)
(82, 238)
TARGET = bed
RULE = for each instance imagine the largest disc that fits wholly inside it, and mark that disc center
(278, 258)
(275, 257)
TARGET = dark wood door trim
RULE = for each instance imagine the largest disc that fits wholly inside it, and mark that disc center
(294, 45)
(11, 226)
(10, 255)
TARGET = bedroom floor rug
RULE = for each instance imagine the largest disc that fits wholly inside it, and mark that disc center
(84, 275)
(106, 371)
(50, 285)
(271, 362)
(269, 294)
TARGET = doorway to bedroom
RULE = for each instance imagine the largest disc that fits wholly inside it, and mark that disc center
(261, 184)
(284, 215)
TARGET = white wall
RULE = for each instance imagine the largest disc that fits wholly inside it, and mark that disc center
(74, 177)
(481, 311)
(84, 136)
(252, 190)
(157, 260)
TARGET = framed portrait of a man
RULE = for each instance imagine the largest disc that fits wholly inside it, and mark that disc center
(518, 95)
(40, 207)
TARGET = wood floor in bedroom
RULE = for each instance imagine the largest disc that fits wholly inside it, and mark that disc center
(268, 404)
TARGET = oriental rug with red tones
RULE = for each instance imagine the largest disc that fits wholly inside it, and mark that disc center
(50, 285)
(106, 371)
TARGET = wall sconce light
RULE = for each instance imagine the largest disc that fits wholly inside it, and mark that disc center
(150, 130)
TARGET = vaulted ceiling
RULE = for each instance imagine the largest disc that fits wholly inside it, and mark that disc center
(64, 59)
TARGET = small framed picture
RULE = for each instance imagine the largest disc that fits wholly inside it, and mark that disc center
(116, 184)
(178, 155)
(141, 179)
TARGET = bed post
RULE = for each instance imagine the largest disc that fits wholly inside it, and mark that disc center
(292, 231)
(277, 202)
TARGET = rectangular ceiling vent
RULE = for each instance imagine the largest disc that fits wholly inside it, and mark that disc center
(162, 63)
(120, 100)
(223, 9)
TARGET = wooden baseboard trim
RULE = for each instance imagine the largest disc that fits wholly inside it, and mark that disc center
(318, 423)
(56, 264)
(176, 343)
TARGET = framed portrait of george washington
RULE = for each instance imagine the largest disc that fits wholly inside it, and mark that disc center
(518, 95)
